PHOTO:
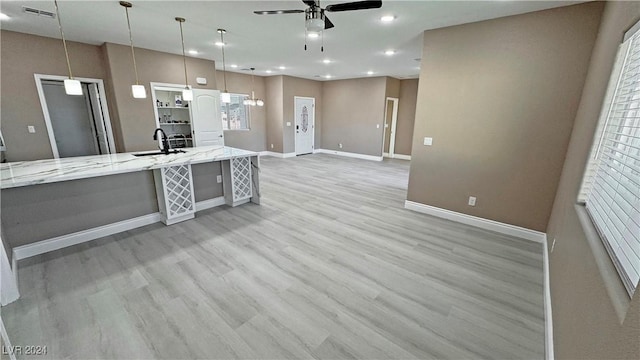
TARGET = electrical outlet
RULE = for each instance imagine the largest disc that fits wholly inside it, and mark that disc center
(272, 146)
(219, 179)
(472, 201)
(428, 141)
(377, 126)
(340, 145)
(31, 129)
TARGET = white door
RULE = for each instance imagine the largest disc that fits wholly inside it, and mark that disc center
(205, 118)
(305, 120)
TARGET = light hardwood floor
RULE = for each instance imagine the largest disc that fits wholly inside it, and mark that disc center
(330, 266)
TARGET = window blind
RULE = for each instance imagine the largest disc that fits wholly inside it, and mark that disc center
(611, 184)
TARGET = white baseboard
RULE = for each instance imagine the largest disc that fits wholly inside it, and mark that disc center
(6, 343)
(402, 157)
(486, 224)
(506, 229)
(211, 203)
(277, 154)
(59, 242)
(348, 154)
(548, 314)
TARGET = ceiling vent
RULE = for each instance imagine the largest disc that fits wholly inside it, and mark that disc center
(37, 12)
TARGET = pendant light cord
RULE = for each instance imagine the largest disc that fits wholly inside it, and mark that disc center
(224, 68)
(133, 54)
(184, 57)
(64, 42)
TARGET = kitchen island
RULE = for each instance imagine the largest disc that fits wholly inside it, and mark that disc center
(50, 204)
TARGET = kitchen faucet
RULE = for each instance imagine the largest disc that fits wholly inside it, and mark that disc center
(165, 141)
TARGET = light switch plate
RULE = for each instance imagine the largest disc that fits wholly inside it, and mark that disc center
(472, 201)
(288, 123)
(377, 126)
(219, 179)
(31, 129)
(428, 141)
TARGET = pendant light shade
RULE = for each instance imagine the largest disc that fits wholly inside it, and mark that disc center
(71, 86)
(225, 97)
(253, 101)
(187, 94)
(138, 91)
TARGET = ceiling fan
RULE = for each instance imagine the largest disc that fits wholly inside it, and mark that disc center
(315, 20)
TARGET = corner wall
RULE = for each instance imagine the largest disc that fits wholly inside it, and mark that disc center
(351, 110)
(499, 98)
(586, 326)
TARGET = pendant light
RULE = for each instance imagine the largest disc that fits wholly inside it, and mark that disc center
(253, 101)
(225, 97)
(71, 85)
(187, 94)
(138, 91)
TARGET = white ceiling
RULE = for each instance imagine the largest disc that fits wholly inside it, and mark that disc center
(356, 44)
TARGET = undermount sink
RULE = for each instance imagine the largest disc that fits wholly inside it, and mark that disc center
(159, 153)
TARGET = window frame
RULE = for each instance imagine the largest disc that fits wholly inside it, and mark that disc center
(596, 155)
(247, 112)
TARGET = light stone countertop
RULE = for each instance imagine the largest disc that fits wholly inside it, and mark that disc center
(24, 173)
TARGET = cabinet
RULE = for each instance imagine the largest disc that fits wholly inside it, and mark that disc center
(188, 123)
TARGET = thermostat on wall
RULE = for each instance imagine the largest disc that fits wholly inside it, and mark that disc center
(201, 81)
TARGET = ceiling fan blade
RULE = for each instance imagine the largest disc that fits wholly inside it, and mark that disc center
(327, 23)
(356, 5)
(311, 3)
(276, 12)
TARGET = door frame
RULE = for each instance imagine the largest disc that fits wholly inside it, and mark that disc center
(47, 118)
(313, 123)
(392, 129)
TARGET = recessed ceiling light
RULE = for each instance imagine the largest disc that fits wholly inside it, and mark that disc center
(369, 72)
(193, 52)
(313, 35)
(326, 61)
(4, 16)
(268, 71)
(387, 18)
(389, 52)
(219, 43)
(327, 76)
(281, 67)
(234, 66)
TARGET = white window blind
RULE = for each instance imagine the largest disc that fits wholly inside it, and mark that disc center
(611, 184)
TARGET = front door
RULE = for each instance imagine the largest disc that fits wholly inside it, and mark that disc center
(305, 120)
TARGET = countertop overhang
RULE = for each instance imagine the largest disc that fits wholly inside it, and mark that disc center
(24, 173)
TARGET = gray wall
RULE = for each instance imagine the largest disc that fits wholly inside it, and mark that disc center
(585, 324)
(134, 118)
(255, 138)
(351, 109)
(275, 113)
(406, 116)
(39, 212)
(292, 87)
(22, 56)
(499, 98)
